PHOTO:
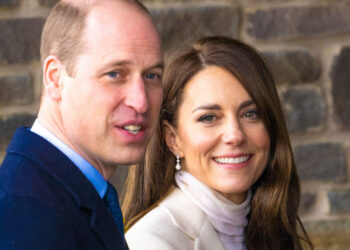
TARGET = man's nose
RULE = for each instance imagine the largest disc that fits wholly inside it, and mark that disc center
(136, 97)
(233, 133)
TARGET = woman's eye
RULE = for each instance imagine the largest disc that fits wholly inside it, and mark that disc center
(207, 118)
(252, 114)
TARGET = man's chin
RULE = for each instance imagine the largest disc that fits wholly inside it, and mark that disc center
(130, 159)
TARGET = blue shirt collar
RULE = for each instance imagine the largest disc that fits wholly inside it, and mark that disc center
(85, 167)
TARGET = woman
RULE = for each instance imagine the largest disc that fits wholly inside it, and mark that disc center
(219, 173)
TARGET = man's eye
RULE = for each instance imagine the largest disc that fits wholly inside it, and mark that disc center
(113, 74)
(207, 118)
(152, 76)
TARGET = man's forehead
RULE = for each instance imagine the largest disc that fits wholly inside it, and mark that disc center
(128, 52)
(109, 39)
(120, 24)
(113, 28)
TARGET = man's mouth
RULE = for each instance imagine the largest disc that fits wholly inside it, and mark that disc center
(133, 129)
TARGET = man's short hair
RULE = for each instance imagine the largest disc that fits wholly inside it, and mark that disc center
(64, 27)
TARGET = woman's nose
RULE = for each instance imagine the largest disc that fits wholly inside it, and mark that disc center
(233, 134)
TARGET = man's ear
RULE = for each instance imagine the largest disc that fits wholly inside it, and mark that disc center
(52, 77)
(171, 139)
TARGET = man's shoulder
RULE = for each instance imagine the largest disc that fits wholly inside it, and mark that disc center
(32, 163)
(47, 203)
(27, 170)
(22, 170)
(21, 136)
(26, 145)
(19, 175)
(37, 211)
(30, 223)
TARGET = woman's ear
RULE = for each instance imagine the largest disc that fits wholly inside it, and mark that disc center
(171, 139)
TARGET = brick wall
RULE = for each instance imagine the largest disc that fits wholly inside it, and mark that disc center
(307, 43)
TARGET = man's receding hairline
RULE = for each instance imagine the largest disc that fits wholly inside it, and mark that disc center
(94, 4)
(85, 7)
(88, 5)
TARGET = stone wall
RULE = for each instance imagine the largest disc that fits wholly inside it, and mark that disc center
(307, 43)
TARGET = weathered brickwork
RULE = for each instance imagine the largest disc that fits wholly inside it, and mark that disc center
(321, 162)
(307, 46)
(300, 21)
(198, 22)
(340, 201)
(9, 3)
(20, 40)
(341, 86)
(17, 89)
(305, 109)
(8, 125)
(47, 3)
(306, 202)
(329, 234)
(294, 66)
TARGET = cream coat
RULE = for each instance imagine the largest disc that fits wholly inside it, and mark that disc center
(175, 224)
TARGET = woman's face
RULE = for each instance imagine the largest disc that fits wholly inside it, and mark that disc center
(220, 137)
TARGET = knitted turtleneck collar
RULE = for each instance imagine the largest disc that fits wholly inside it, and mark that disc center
(228, 218)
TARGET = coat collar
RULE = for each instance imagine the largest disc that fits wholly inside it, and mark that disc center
(191, 220)
(30, 145)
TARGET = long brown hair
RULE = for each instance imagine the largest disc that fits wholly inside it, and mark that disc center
(273, 220)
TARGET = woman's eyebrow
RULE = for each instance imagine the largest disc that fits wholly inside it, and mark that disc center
(243, 105)
(207, 107)
(246, 104)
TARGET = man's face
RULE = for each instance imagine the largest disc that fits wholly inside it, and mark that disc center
(111, 104)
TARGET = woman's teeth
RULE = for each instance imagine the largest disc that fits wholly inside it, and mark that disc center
(232, 160)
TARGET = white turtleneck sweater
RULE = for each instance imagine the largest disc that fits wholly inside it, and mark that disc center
(228, 218)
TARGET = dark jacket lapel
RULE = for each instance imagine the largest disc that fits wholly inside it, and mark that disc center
(29, 144)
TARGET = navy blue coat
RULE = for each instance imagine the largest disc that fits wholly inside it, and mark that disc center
(47, 203)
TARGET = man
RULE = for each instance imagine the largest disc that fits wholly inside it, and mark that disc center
(102, 67)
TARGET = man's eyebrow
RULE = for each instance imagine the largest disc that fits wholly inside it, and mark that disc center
(159, 65)
(207, 107)
(119, 63)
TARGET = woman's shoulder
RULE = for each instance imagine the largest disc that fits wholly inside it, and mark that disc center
(152, 232)
(154, 220)
(161, 228)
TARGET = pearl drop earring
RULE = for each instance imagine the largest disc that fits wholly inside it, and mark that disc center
(178, 166)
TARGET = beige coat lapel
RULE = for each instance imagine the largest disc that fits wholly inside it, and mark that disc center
(208, 239)
(191, 220)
